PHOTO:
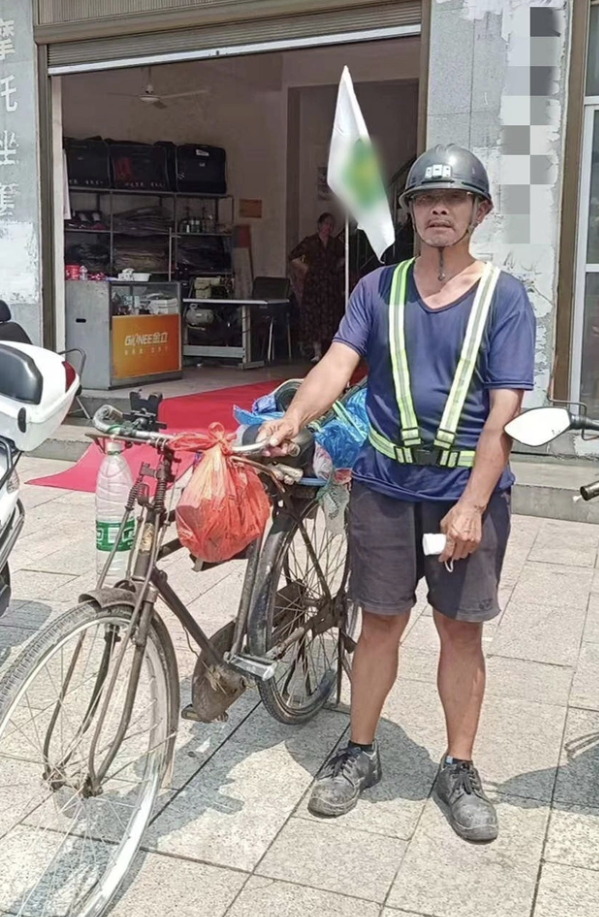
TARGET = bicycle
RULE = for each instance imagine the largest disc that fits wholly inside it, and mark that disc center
(89, 711)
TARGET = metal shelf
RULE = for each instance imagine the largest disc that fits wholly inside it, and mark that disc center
(218, 235)
(174, 218)
(89, 232)
(134, 192)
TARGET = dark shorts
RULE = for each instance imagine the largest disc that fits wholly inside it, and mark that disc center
(387, 560)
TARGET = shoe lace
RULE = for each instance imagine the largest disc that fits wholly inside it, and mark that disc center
(342, 764)
(466, 780)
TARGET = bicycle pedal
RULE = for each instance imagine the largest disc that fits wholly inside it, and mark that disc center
(188, 713)
(262, 669)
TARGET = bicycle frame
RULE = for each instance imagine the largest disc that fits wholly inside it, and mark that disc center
(147, 582)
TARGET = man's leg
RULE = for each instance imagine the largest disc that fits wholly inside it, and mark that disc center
(374, 670)
(464, 599)
(383, 577)
(461, 682)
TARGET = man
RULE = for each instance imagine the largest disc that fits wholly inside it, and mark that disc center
(450, 347)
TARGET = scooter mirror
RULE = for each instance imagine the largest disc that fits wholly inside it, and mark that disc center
(539, 426)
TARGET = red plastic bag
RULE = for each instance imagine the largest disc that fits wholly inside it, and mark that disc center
(224, 507)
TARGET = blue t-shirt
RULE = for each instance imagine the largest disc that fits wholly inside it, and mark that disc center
(434, 339)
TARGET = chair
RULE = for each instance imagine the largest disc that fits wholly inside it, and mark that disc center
(274, 288)
(13, 333)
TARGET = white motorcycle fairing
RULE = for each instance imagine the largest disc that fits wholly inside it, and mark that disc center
(37, 389)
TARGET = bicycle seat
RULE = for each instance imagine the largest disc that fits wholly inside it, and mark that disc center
(285, 393)
(304, 439)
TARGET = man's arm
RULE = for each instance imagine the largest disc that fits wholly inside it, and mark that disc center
(321, 387)
(463, 523)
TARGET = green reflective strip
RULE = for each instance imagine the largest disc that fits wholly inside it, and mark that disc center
(399, 358)
(447, 459)
(385, 446)
(461, 383)
(465, 459)
(342, 412)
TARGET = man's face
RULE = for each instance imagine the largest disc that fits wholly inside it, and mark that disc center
(442, 217)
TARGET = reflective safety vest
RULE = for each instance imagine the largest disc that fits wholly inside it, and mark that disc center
(410, 449)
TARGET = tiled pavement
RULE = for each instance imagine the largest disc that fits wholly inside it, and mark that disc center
(234, 836)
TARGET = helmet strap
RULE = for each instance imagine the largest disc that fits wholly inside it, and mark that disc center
(442, 275)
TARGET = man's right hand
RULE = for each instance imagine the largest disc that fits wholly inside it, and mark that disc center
(279, 434)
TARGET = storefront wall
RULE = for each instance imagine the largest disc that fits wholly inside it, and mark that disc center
(498, 76)
(20, 272)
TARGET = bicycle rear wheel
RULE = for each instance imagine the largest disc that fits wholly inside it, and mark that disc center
(290, 594)
(65, 846)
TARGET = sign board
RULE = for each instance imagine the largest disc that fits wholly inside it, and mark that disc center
(250, 210)
(145, 345)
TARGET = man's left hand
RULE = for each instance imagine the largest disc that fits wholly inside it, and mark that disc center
(463, 527)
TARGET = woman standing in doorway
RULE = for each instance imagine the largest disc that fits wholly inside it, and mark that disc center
(318, 261)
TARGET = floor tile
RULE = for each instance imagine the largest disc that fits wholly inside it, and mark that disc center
(29, 585)
(416, 723)
(528, 680)
(553, 586)
(585, 686)
(591, 628)
(442, 875)
(578, 773)
(573, 838)
(567, 892)
(535, 730)
(393, 912)
(264, 897)
(160, 883)
(540, 632)
(231, 811)
(571, 555)
(417, 664)
(334, 858)
(423, 635)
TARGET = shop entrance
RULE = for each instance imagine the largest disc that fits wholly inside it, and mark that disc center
(186, 185)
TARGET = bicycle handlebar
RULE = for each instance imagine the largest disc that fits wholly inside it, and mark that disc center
(110, 421)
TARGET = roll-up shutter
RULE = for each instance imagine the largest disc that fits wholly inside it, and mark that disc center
(162, 37)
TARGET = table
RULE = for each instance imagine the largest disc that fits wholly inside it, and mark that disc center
(244, 350)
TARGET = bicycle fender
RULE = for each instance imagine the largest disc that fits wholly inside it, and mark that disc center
(108, 597)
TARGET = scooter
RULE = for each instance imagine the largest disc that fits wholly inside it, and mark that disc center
(37, 389)
(540, 426)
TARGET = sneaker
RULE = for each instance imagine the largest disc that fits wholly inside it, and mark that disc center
(471, 815)
(344, 777)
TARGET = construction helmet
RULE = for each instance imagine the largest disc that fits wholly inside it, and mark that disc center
(447, 167)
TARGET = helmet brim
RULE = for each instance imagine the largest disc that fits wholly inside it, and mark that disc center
(459, 185)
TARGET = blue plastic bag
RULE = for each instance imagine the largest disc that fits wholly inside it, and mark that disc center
(344, 436)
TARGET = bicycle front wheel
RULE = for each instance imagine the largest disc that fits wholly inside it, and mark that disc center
(67, 844)
(301, 605)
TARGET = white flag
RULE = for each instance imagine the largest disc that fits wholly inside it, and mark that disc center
(354, 175)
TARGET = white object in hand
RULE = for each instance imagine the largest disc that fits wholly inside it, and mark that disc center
(434, 543)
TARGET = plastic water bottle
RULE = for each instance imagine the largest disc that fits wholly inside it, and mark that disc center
(112, 491)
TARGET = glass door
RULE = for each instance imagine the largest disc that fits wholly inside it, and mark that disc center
(585, 362)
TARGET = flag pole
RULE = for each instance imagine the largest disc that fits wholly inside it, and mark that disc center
(346, 258)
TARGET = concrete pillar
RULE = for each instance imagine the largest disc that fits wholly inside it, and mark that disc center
(497, 84)
(20, 270)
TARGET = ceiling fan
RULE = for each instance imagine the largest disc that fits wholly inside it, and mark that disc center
(155, 99)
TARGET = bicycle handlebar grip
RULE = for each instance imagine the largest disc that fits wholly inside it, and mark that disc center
(107, 417)
(590, 491)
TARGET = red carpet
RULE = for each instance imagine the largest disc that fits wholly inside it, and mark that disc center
(187, 412)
